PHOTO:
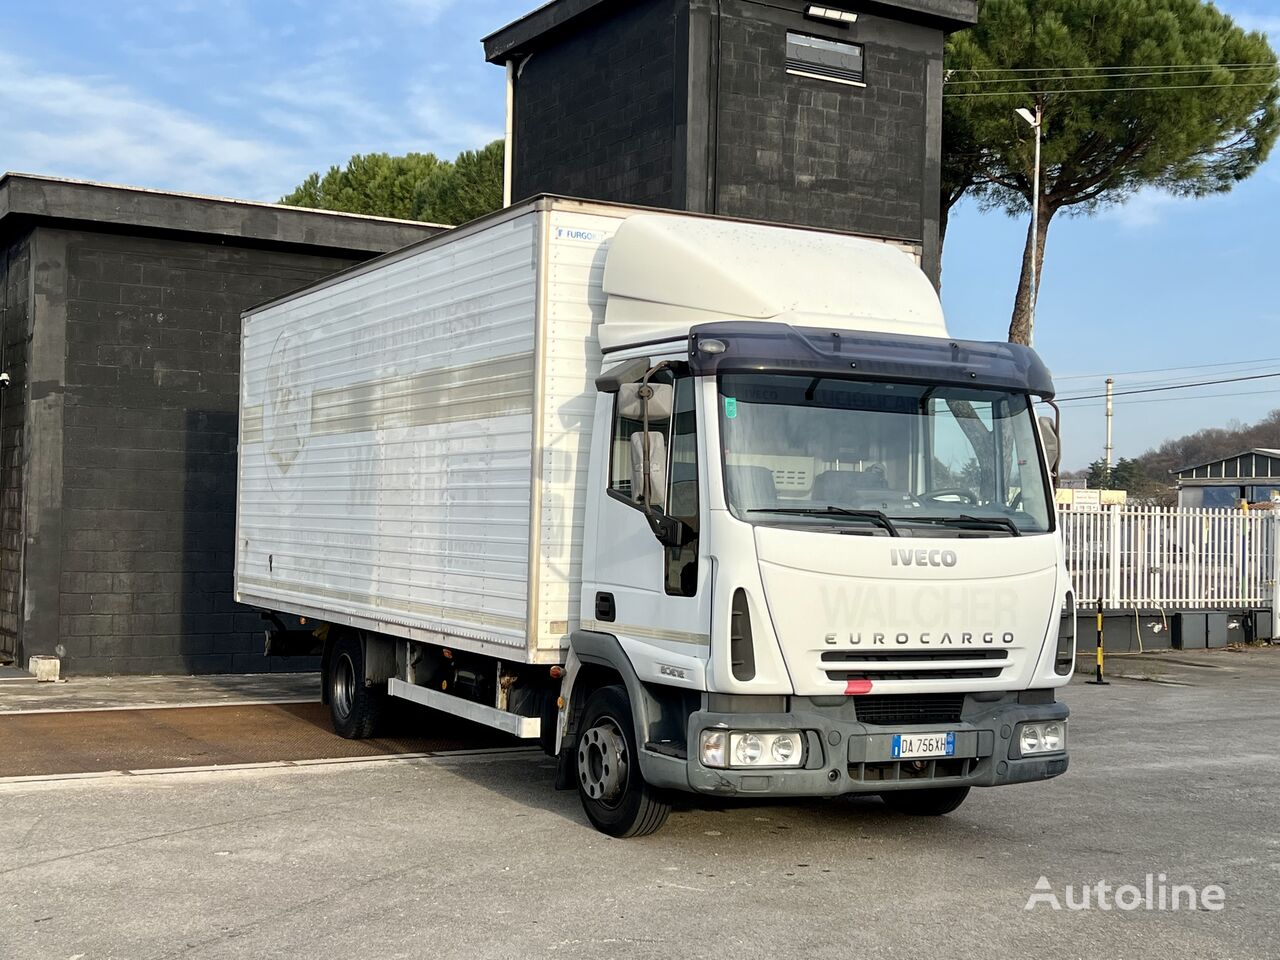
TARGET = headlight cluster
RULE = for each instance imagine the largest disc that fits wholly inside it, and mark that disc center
(725, 749)
(1047, 737)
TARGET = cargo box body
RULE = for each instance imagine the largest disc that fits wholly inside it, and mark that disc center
(415, 435)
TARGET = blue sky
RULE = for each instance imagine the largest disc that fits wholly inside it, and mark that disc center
(244, 98)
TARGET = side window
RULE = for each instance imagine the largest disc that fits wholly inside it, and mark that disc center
(681, 578)
(628, 441)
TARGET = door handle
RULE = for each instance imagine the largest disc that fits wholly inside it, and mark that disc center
(606, 611)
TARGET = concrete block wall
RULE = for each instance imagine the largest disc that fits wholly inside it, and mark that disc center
(594, 117)
(148, 464)
(825, 154)
(15, 335)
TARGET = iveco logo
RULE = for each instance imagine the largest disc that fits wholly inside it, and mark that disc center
(923, 558)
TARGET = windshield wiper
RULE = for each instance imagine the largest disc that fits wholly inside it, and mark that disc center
(966, 520)
(875, 516)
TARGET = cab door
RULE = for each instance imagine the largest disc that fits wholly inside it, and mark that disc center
(654, 599)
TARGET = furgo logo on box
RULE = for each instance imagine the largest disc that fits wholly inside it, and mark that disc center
(922, 558)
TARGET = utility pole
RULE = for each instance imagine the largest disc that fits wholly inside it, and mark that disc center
(1037, 123)
(1111, 389)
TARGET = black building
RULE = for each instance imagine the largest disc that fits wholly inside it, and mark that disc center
(822, 114)
(120, 315)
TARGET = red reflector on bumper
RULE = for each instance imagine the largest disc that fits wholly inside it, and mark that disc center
(855, 687)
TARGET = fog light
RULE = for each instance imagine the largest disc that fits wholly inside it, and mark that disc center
(714, 748)
(783, 748)
(748, 749)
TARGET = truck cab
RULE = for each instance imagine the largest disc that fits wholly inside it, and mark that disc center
(820, 550)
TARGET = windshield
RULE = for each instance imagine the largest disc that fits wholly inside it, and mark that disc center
(894, 459)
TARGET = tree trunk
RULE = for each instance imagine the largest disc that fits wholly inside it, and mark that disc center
(944, 214)
(1021, 326)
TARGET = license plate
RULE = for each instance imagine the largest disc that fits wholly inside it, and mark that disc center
(908, 745)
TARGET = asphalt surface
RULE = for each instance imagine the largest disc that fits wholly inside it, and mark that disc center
(477, 856)
(93, 741)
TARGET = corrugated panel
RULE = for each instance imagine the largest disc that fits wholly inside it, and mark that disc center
(577, 246)
(385, 442)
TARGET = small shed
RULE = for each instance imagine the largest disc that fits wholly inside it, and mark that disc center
(1253, 476)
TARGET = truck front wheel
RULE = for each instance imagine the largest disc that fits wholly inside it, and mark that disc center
(614, 795)
(925, 803)
(356, 709)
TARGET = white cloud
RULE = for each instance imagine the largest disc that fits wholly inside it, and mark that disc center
(92, 128)
(1267, 23)
(426, 11)
(1146, 209)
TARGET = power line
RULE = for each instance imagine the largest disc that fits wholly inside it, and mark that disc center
(1170, 86)
(1182, 380)
(1096, 75)
(1202, 396)
(1136, 66)
(1179, 386)
(1191, 366)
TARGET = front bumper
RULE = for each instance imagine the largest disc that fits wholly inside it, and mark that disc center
(844, 755)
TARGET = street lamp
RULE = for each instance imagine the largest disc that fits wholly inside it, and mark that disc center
(1036, 120)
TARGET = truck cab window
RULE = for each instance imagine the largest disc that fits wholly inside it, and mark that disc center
(673, 477)
(627, 442)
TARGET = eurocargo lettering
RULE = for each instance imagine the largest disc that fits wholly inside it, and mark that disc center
(700, 505)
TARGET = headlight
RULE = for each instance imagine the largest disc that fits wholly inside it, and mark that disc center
(743, 749)
(747, 749)
(1049, 736)
(1053, 737)
(783, 749)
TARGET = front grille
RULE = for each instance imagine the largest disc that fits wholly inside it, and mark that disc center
(912, 656)
(911, 664)
(975, 674)
(904, 709)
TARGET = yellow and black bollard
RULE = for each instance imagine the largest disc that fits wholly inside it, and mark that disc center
(1098, 677)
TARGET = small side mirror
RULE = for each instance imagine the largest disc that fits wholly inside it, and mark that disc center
(668, 530)
(1052, 444)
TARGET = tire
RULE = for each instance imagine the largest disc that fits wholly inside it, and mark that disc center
(614, 795)
(357, 710)
(937, 802)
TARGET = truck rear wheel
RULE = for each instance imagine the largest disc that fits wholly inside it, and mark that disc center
(356, 709)
(925, 803)
(614, 795)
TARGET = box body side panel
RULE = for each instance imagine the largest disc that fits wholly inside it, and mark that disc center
(386, 444)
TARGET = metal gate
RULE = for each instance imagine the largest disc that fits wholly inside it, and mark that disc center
(1130, 557)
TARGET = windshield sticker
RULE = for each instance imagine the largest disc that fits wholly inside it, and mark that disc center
(730, 408)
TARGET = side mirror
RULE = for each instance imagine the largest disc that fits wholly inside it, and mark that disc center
(1052, 444)
(629, 371)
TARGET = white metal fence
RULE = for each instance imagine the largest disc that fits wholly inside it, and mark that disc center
(1162, 557)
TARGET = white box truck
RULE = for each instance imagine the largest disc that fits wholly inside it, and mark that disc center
(702, 505)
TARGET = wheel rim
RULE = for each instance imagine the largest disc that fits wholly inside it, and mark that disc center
(602, 762)
(343, 693)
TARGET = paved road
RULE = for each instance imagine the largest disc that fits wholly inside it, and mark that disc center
(476, 857)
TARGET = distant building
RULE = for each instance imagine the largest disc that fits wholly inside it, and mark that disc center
(120, 322)
(826, 115)
(1253, 476)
